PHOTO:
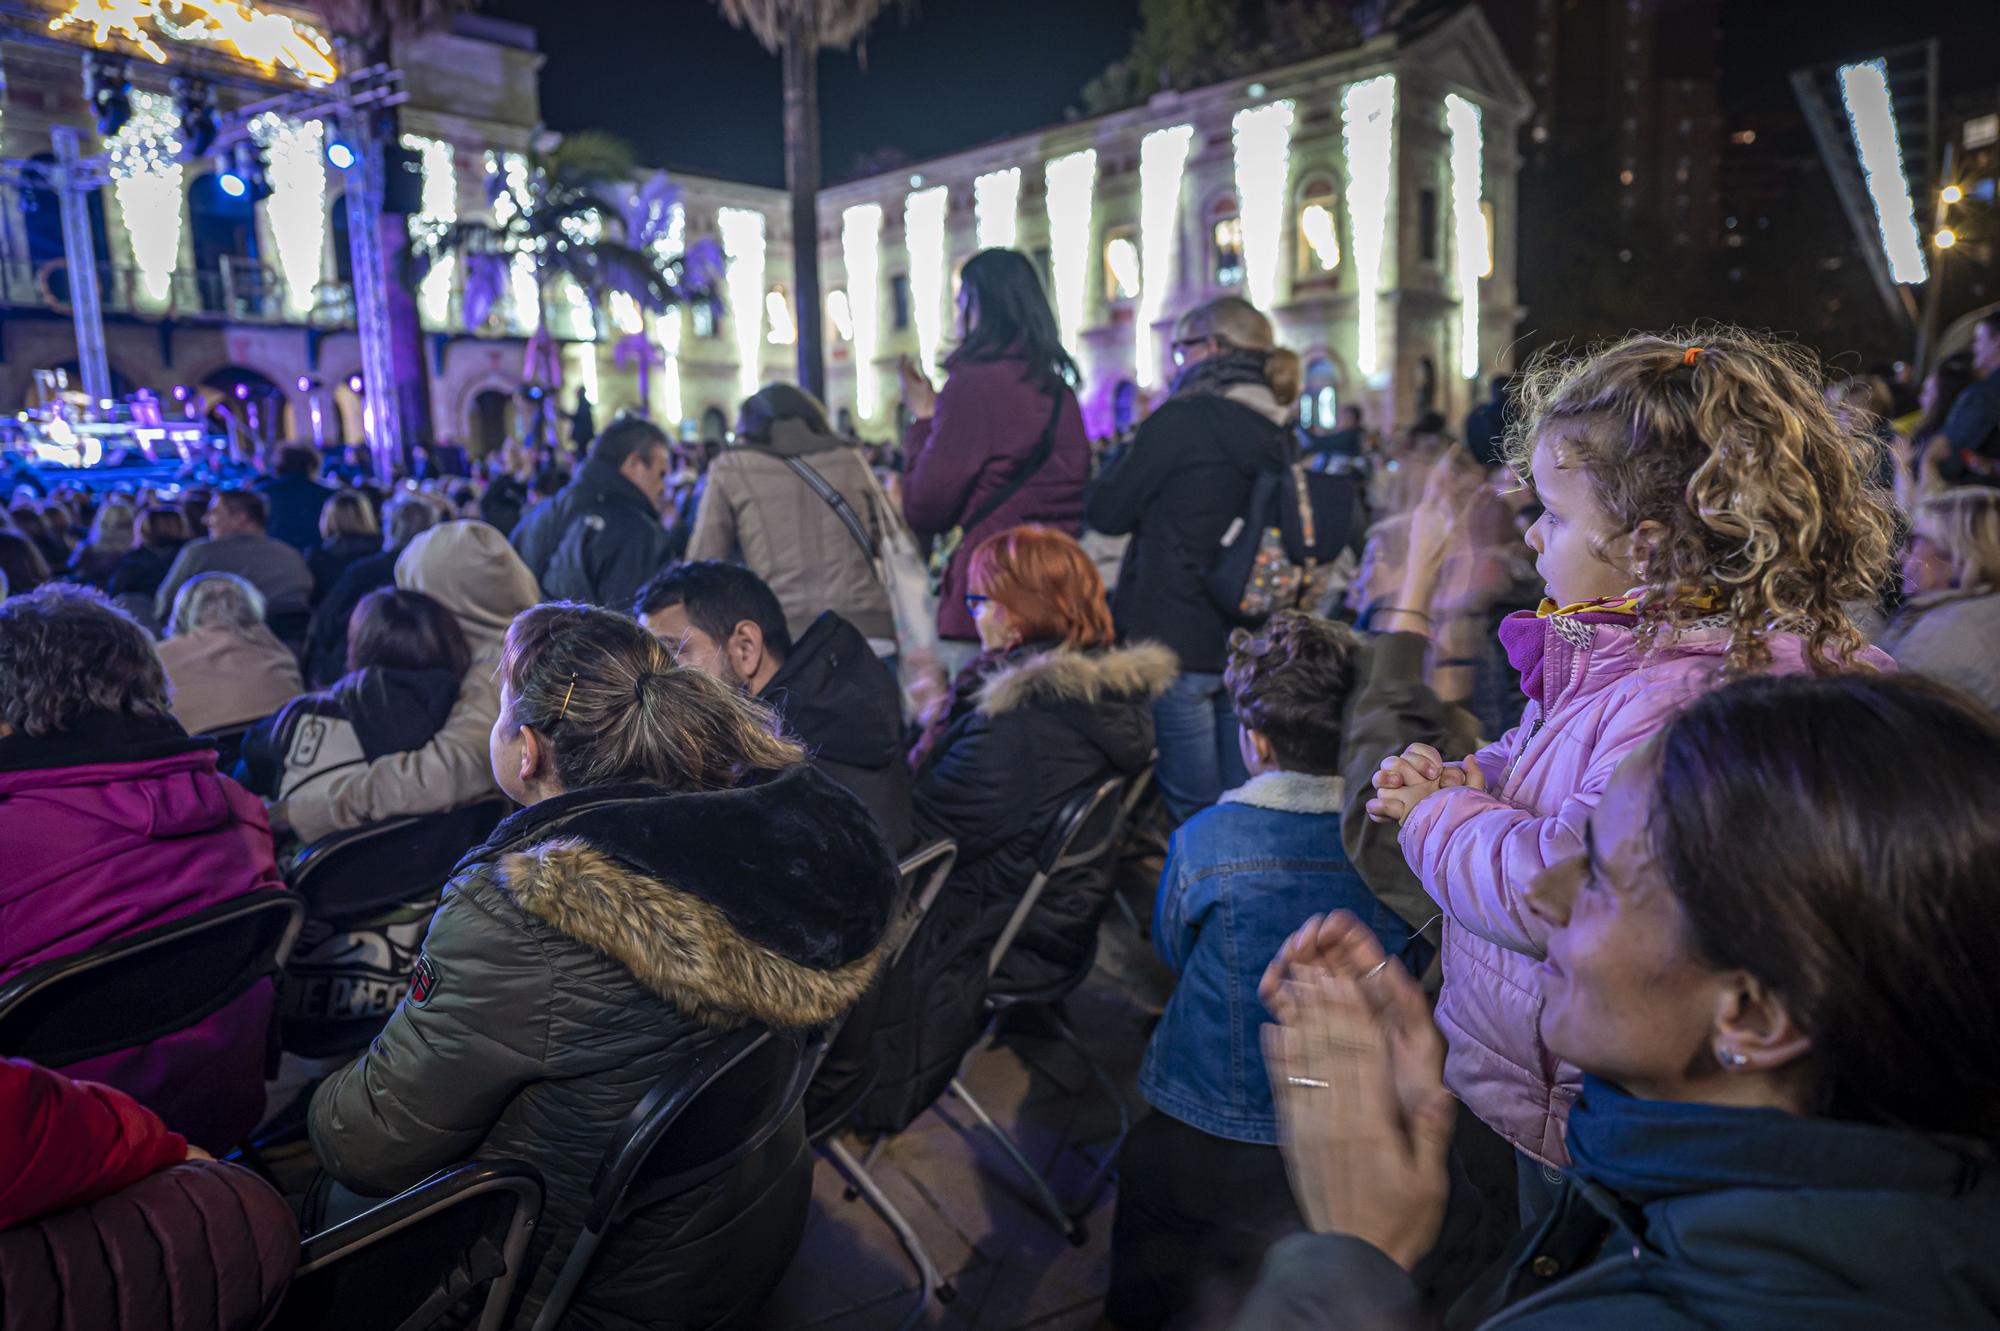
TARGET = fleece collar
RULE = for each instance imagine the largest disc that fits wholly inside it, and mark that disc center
(1143, 670)
(1290, 792)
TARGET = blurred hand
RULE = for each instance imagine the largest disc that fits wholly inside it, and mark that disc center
(281, 822)
(918, 393)
(196, 1153)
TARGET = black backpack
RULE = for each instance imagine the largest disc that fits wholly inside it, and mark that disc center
(1283, 550)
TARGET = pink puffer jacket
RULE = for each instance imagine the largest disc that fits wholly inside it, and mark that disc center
(1477, 851)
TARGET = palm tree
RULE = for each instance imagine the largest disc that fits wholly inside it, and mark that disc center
(392, 335)
(797, 30)
(575, 213)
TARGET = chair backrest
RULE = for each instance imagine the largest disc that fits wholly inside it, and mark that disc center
(1083, 834)
(399, 1266)
(135, 989)
(1135, 794)
(356, 875)
(923, 874)
(228, 741)
(693, 1125)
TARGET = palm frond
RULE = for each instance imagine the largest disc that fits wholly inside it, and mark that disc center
(591, 157)
(836, 22)
(404, 18)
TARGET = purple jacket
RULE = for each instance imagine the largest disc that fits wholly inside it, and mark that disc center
(987, 422)
(203, 1246)
(99, 849)
(1476, 852)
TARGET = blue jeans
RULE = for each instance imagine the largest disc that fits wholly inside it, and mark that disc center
(1194, 725)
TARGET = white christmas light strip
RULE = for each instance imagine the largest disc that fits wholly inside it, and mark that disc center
(296, 210)
(1071, 180)
(743, 254)
(923, 236)
(1162, 161)
(1262, 137)
(996, 205)
(1864, 90)
(524, 295)
(146, 171)
(438, 209)
(667, 326)
(1468, 166)
(1367, 129)
(860, 241)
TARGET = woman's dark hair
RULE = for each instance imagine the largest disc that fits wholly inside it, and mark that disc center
(779, 402)
(617, 708)
(398, 630)
(66, 652)
(1289, 682)
(21, 563)
(160, 524)
(1013, 320)
(1876, 920)
(1953, 376)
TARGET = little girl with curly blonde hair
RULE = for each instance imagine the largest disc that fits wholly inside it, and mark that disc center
(1705, 515)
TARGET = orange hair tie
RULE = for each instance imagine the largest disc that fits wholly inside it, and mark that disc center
(1691, 355)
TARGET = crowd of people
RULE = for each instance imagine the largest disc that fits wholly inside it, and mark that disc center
(1611, 805)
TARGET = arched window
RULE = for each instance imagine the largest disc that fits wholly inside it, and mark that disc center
(714, 426)
(1121, 264)
(1318, 230)
(1225, 243)
(1319, 404)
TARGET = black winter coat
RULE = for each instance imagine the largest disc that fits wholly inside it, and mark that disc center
(600, 540)
(1674, 1217)
(594, 945)
(330, 559)
(1186, 477)
(326, 638)
(1046, 725)
(844, 705)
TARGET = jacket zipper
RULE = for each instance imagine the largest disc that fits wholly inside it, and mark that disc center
(1541, 719)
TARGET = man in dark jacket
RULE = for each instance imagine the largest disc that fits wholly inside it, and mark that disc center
(834, 693)
(601, 538)
(295, 496)
(1973, 425)
(326, 641)
(1486, 425)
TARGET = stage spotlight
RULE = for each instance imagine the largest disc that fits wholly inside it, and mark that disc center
(354, 382)
(340, 155)
(108, 89)
(241, 174)
(196, 101)
(231, 184)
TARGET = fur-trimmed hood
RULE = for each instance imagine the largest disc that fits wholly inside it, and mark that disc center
(1141, 672)
(768, 901)
(1291, 792)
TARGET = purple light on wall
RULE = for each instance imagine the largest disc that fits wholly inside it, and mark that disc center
(242, 392)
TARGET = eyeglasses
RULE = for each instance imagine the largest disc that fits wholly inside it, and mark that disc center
(1180, 348)
(973, 602)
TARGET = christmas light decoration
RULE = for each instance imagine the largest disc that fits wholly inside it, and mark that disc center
(996, 204)
(1121, 267)
(626, 317)
(860, 244)
(1262, 137)
(1070, 180)
(1162, 161)
(669, 324)
(1468, 166)
(296, 208)
(144, 161)
(840, 314)
(923, 237)
(438, 209)
(270, 41)
(1367, 130)
(1322, 238)
(1871, 115)
(524, 295)
(743, 259)
(778, 314)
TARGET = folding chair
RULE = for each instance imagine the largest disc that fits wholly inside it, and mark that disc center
(1135, 794)
(696, 1124)
(356, 875)
(1084, 834)
(402, 1265)
(135, 989)
(923, 875)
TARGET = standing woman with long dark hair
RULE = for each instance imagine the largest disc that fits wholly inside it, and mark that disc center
(1003, 444)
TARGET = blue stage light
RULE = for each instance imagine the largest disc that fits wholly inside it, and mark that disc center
(340, 155)
(232, 184)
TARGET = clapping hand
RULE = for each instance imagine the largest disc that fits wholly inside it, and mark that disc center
(1407, 779)
(918, 393)
(1357, 1073)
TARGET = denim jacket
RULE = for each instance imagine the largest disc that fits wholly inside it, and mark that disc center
(1239, 878)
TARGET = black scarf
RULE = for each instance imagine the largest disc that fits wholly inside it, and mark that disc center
(1222, 371)
(98, 737)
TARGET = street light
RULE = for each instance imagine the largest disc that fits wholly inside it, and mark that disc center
(1951, 194)
(1945, 238)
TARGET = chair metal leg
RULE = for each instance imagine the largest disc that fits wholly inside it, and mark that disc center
(1071, 1229)
(1131, 916)
(850, 1192)
(927, 1273)
(1101, 1175)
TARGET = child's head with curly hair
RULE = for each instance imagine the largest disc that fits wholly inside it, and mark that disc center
(1289, 681)
(1703, 470)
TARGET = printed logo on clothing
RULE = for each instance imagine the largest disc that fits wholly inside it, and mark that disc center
(423, 980)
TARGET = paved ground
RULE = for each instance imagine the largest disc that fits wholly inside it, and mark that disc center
(967, 1202)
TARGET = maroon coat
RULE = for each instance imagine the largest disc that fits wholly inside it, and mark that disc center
(116, 827)
(987, 421)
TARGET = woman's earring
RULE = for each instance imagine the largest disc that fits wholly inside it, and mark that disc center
(1732, 1058)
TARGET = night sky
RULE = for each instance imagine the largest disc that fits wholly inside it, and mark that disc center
(694, 94)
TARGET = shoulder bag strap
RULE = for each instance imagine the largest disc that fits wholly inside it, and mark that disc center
(1031, 464)
(836, 501)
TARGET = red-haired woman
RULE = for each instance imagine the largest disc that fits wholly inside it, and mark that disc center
(1047, 709)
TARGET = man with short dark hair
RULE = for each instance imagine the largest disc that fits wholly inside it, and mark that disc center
(237, 544)
(1973, 425)
(832, 691)
(295, 496)
(601, 538)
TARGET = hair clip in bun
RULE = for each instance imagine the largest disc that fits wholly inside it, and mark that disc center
(1691, 356)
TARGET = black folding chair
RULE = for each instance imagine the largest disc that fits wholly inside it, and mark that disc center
(356, 875)
(923, 875)
(135, 989)
(228, 741)
(402, 1265)
(693, 1125)
(1136, 791)
(1083, 836)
